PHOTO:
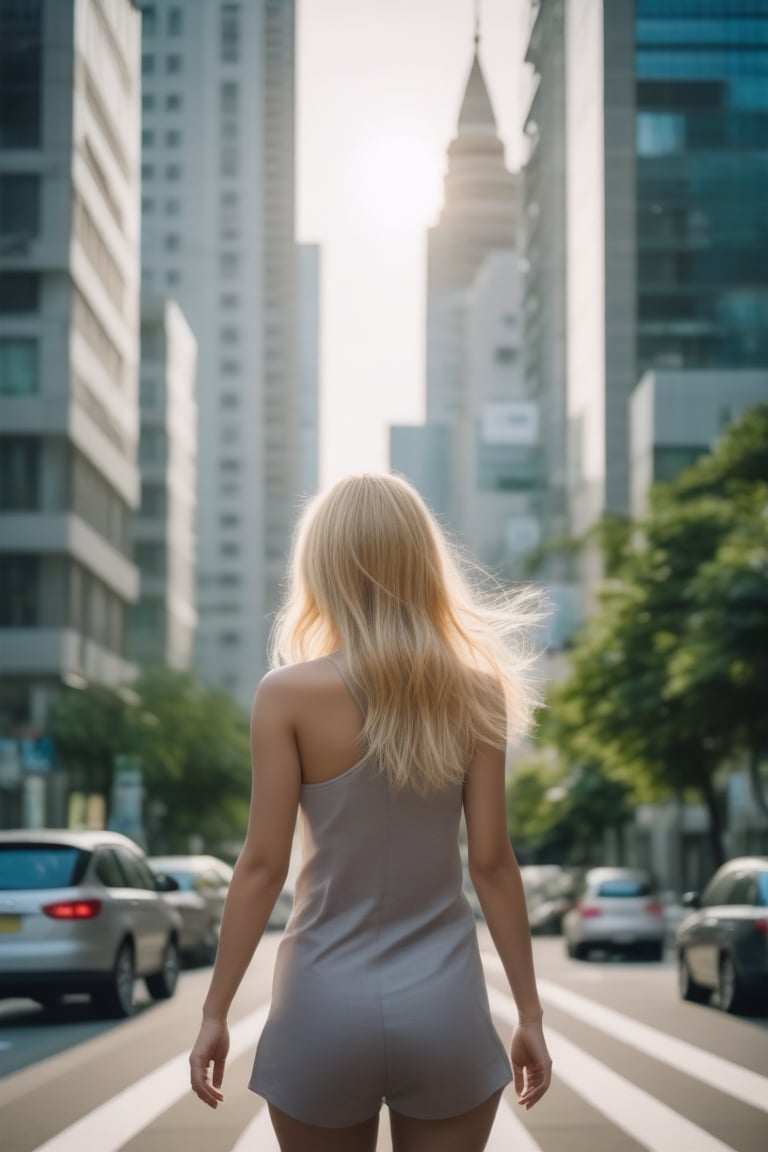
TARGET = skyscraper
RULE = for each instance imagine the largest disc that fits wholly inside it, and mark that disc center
(667, 181)
(69, 294)
(218, 235)
(480, 215)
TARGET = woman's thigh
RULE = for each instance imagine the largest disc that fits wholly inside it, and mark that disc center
(293, 1136)
(468, 1132)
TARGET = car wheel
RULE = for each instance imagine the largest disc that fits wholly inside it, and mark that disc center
(577, 951)
(162, 985)
(655, 951)
(115, 999)
(689, 989)
(730, 994)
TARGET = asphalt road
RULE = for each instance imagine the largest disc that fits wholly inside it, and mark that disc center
(635, 1068)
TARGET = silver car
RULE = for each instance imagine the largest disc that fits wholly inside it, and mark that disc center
(617, 909)
(83, 912)
(203, 883)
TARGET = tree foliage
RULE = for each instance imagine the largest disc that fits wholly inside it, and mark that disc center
(192, 742)
(667, 680)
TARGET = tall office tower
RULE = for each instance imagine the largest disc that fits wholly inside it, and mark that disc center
(544, 240)
(218, 236)
(667, 181)
(69, 335)
(480, 215)
(162, 625)
(309, 256)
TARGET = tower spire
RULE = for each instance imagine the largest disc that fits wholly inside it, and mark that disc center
(477, 24)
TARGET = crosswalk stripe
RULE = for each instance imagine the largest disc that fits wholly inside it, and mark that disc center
(258, 1135)
(635, 1111)
(740, 1083)
(113, 1124)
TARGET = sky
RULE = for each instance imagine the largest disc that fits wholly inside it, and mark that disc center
(379, 87)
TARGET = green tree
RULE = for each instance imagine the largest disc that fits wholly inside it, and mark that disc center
(637, 702)
(193, 744)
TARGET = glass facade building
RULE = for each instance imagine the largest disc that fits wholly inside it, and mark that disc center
(702, 183)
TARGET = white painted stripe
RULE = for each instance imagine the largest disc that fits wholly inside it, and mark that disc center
(259, 1135)
(509, 1131)
(741, 1083)
(113, 1124)
(654, 1125)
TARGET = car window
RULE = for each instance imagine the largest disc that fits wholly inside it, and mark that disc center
(718, 890)
(210, 880)
(108, 869)
(26, 867)
(135, 875)
(762, 889)
(744, 890)
(624, 886)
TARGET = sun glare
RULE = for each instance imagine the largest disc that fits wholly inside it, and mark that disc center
(400, 181)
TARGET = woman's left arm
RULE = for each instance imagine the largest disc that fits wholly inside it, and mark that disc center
(259, 874)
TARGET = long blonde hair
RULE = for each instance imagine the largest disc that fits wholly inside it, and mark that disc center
(438, 662)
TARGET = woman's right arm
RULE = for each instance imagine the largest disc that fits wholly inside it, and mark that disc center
(496, 877)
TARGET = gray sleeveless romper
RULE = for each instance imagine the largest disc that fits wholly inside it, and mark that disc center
(378, 992)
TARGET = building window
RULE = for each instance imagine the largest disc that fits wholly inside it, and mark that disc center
(18, 366)
(152, 446)
(20, 74)
(505, 356)
(19, 207)
(19, 474)
(229, 520)
(229, 301)
(150, 557)
(172, 242)
(228, 465)
(147, 172)
(148, 102)
(230, 400)
(230, 161)
(173, 64)
(230, 639)
(229, 580)
(229, 336)
(172, 206)
(147, 138)
(147, 64)
(173, 171)
(230, 98)
(230, 32)
(172, 102)
(230, 550)
(230, 367)
(229, 264)
(147, 206)
(19, 579)
(19, 293)
(173, 138)
(173, 278)
(175, 22)
(148, 20)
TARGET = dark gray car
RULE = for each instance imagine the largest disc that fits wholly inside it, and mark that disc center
(83, 912)
(722, 946)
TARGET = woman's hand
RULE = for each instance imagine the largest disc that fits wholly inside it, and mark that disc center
(211, 1047)
(531, 1063)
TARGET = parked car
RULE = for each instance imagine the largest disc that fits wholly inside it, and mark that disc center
(722, 945)
(617, 909)
(83, 912)
(203, 883)
(549, 894)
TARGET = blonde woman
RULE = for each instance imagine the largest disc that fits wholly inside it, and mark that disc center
(387, 716)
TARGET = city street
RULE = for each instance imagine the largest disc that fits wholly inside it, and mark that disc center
(634, 1068)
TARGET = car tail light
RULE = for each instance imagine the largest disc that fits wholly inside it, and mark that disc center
(653, 908)
(73, 909)
(589, 911)
(762, 925)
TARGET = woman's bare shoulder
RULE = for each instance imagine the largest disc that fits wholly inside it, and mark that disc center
(293, 681)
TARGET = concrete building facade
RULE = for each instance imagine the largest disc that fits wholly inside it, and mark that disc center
(162, 625)
(69, 286)
(309, 256)
(69, 291)
(218, 236)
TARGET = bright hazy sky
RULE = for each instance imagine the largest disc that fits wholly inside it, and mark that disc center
(380, 84)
